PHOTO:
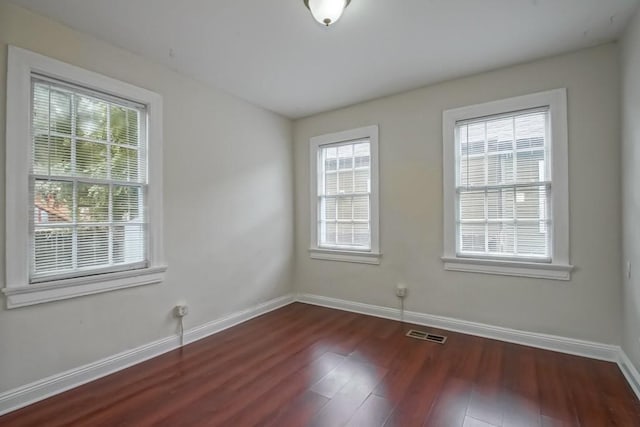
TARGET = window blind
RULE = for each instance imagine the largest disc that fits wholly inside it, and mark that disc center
(503, 186)
(88, 182)
(344, 195)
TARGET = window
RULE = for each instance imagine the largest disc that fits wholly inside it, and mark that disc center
(83, 186)
(344, 196)
(506, 189)
(503, 186)
(88, 182)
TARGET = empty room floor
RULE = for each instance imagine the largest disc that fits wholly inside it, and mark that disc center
(306, 365)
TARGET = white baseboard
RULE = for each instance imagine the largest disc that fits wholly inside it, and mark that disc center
(42, 389)
(208, 329)
(630, 372)
(589, 349)
(39, 390)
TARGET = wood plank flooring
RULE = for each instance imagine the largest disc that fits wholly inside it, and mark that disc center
(310, 366)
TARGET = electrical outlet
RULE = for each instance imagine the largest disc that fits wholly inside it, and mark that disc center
(401, 290)
(181, 310)
(628, 269)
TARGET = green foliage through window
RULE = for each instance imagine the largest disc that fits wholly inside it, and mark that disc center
(88, 181)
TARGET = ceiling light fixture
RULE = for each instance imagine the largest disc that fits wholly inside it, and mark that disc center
(326, 12)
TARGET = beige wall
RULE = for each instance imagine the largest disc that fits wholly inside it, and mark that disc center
(228, 214)
(587, 307)
(630, 60)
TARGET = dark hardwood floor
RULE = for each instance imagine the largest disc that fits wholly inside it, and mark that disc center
(304, 365)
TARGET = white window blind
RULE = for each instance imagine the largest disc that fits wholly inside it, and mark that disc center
(344, 195)
(503, 186)
(88, 182)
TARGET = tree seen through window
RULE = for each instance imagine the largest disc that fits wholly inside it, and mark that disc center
(88, 181)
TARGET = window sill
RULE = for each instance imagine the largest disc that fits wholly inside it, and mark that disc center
(509, 268)
(345, 256)
(25, 295)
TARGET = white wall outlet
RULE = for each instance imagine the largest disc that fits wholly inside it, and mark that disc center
(628, 269)
(181, 310)
(401, 290)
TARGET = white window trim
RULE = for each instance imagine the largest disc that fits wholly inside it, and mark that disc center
(559, 268)
(21, 64)
(367, 257)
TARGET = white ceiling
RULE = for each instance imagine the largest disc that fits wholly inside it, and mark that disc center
(272, 53)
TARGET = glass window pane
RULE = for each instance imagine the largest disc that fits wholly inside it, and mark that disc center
(361, 208)
(93, 246)
(128, 244)
(345, 234)
(531, 240)
(500, 204)
(362, 149)
(91, 159)
(345, 163)
(472, 206)
(500, 169)
(502, 239)
(328, 209)
(472, 237)
(328, 233)
(362, 155)
(475, 139)
(345, 151)
(127, 202)
(124, 125)
(472, 171)
(531, 130)
(500, 135)
(60, 110)
(531, 203)
(461, 134)
(531, 166)
(345, 182)
(362, 181)
(125, 164)
(331, 184)
(40, 109)
(91, 118)
(93, 202)
(51, 152)
(345, 208)
(53, 249)
(362, 236)
(363, 162)
(53, 202)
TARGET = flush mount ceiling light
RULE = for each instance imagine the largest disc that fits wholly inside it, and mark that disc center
(326, 12)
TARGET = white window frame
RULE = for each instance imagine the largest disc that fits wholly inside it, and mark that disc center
(21, 64)
(559, 268)
(373, 255)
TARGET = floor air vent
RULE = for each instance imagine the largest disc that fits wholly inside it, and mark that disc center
(421, 335)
